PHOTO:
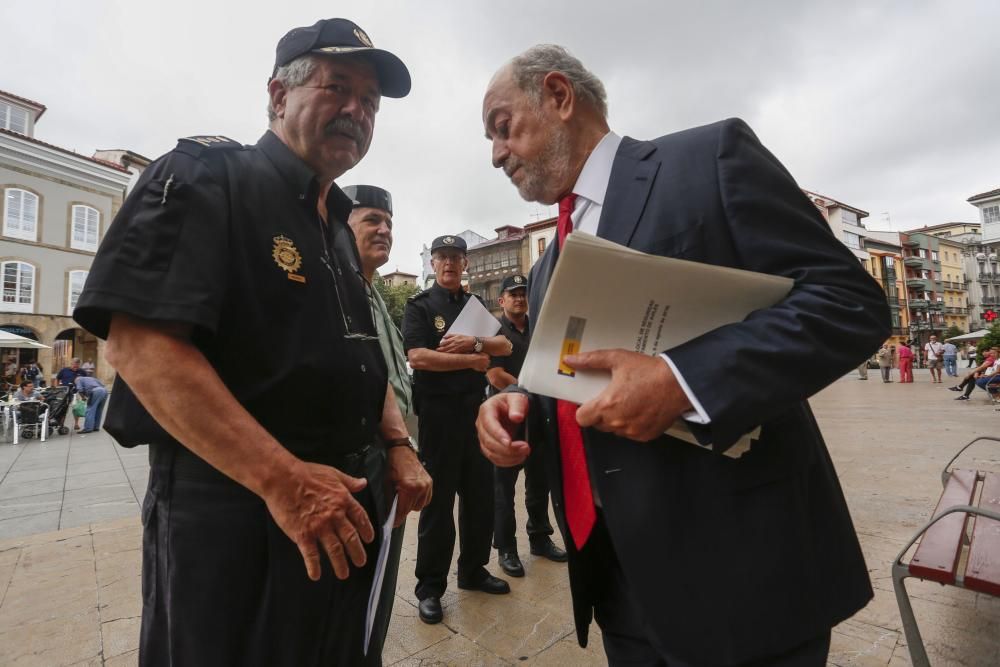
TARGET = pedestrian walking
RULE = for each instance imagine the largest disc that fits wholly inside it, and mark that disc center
(884, 358)
(905, 363)
(970, 355)
(950, 356)
(933, 351)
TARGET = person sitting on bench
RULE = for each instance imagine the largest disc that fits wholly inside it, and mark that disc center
(969, 382)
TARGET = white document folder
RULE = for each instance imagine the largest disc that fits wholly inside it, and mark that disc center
(605, 296)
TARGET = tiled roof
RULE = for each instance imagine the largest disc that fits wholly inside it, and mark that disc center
(105, 163)
(984, 195)
(37, 105)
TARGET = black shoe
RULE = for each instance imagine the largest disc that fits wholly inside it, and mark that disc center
(86, 430)
(511, 564)
(549, 550)
(962, 398)
(954, 389)
(430, 610)
(490, 584)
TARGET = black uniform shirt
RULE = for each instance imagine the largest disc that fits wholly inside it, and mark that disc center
(519, 344)
(227, 238)
(427, 317)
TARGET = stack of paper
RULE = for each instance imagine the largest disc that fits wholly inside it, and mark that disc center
(605, 296)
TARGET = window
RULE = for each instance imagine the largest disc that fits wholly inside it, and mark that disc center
(849, 217)
(991, 213)
(934, 255)
(541, 245)
(86, 220)
(76, 281)
(852, 240)
(13, 118)
(888, 261)
(20, 214)
(18, 286)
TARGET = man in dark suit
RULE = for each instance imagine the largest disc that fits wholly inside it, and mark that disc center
(684, 556)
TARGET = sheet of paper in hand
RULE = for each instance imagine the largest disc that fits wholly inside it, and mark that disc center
(605, 296)
(474, 320)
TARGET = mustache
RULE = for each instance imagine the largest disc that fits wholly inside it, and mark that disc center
(511, 165)
(345, 125)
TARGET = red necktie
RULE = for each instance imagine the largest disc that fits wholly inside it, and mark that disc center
(580, 512)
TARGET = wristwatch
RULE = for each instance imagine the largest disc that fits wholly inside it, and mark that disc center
(401, 442)
(478, 347)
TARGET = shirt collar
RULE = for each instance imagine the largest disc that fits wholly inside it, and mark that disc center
(504, 320)
(592, 183)
(301, 178)
(448, 294)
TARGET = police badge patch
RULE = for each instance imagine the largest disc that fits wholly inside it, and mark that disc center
(439, 324)
(287, 256)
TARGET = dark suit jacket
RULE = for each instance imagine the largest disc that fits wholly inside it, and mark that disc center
(731, 559)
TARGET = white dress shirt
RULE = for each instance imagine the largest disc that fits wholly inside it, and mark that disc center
(590, 189)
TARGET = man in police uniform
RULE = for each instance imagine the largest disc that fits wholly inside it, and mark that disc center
(503, 372)
(225, 253)
(371, 222)
(449, 384)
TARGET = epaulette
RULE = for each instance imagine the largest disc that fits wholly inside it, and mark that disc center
(419, 295)
(209, 142)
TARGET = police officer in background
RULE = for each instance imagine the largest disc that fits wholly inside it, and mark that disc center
(504, 372)
(371, 222)
(449, 383)
(265, 479)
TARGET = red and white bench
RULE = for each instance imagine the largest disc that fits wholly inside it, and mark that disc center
(966, 519)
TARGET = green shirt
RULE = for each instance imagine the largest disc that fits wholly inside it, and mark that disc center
(391, 343)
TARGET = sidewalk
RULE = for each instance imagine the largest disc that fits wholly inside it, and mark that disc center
(72, 596)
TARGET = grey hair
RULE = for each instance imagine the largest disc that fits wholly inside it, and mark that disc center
(293, 75)
(529, 68)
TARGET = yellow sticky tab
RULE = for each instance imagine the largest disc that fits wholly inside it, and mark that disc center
(571, 344)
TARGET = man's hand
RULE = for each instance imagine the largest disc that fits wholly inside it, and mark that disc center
(412, 483)
(480, 361)
(457, 344)
(642, 400)
(314, 507)
(499, 418)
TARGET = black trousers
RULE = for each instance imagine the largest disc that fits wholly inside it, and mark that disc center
(536, 501)
(223, 585)
(449, 449)
(626, 640)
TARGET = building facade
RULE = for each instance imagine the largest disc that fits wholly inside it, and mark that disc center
(399, 279)
(493, 260)
(885, 265)
(57, 206)
(988, 204)
(540, 235)
(844, 221)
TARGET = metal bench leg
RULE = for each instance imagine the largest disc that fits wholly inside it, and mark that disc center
(918, 654)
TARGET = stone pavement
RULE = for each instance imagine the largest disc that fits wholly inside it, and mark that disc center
(72, 596)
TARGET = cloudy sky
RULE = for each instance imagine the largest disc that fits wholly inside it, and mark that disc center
(891, 107)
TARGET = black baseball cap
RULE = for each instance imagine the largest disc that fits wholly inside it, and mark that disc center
(516, 281)
(453, 242)
(370, 196)
(334, 37)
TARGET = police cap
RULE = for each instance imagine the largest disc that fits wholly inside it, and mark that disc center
(370, 196)
(453, 242)
(516, 281)
(335, 37)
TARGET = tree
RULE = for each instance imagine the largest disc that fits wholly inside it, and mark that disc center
(395, 298)
(952, 332)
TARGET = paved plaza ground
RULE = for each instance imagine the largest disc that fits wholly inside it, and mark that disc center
(70, 538)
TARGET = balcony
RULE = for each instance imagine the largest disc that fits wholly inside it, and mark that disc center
(914, 262)
(910, 243)
(937, 306)
(919, 303)
(919, 283)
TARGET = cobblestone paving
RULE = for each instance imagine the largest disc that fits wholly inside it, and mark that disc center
(70, 539)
